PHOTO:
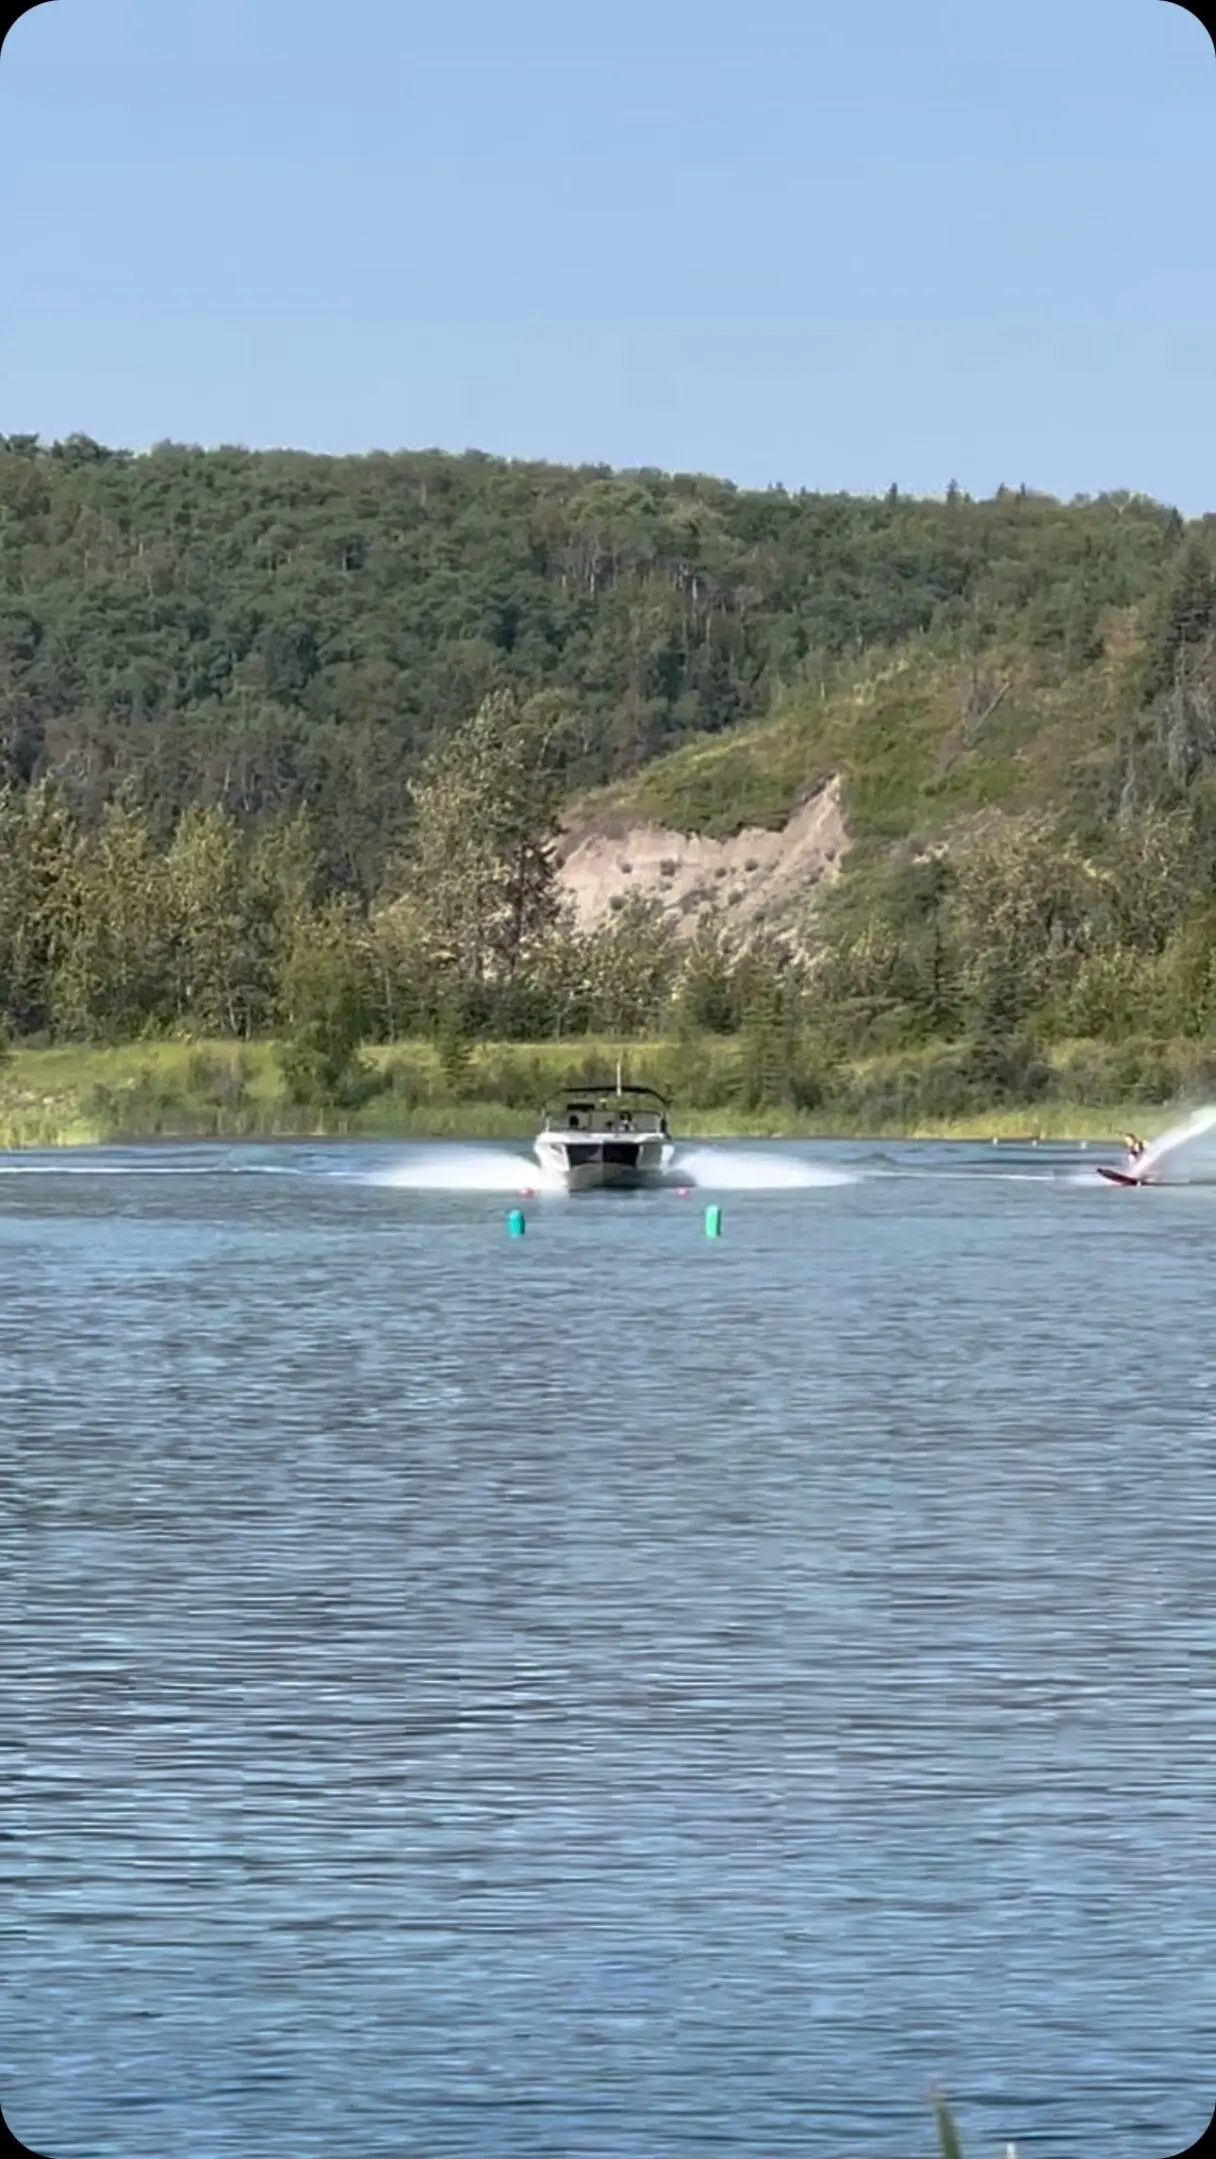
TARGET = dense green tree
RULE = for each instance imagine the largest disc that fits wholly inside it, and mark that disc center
(40, 879)
(328, 998)
(1022, 909)
(553, 994)
(114, 977)
(865, 988)
(223, 984)
(708, 999)
(772, 1010)
(480, 875)
(1186, 610)
(632, 962)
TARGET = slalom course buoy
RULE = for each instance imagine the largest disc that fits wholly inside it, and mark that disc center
(713, 1221)
(517, 1222)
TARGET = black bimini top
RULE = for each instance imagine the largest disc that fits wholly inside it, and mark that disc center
(592, 1094)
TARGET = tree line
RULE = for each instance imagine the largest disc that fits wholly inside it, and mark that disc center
(978, 958)
(109, 934)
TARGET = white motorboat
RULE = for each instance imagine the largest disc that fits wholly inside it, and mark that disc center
(605, 1135)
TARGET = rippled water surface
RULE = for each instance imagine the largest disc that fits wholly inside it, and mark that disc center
(611, 1692)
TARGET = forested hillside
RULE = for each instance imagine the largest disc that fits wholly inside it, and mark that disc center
(286, 744)
(270, 631)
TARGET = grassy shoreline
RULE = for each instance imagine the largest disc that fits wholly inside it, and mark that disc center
(74, 1096)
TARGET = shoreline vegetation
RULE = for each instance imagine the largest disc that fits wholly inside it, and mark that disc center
(78, 1096)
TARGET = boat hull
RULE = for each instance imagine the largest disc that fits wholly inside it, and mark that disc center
(607, 1164)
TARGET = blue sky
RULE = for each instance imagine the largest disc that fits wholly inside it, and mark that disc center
(830, 245)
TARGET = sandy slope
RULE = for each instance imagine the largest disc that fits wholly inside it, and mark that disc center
(758, 878)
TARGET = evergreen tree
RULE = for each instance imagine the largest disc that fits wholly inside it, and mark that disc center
(328, 996)
(41, 861)
(114, 977)
(770, 1002)
(1187, 613)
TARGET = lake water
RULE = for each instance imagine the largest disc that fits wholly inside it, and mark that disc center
(609, 1693)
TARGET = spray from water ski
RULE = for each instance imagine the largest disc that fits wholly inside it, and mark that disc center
(1186, 1154)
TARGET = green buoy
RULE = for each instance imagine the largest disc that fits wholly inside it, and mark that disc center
(517, 1222)
(713, 1221)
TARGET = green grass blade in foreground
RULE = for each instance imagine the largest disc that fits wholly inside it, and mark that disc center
(947, 2133)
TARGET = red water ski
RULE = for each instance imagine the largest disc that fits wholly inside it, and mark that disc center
(1120, 1176)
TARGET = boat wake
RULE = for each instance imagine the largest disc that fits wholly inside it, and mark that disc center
(729, 1169)
(458, 1168)
(470, 1168)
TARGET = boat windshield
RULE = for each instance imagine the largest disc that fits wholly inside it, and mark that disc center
(635, 1111)
(608, 1115)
